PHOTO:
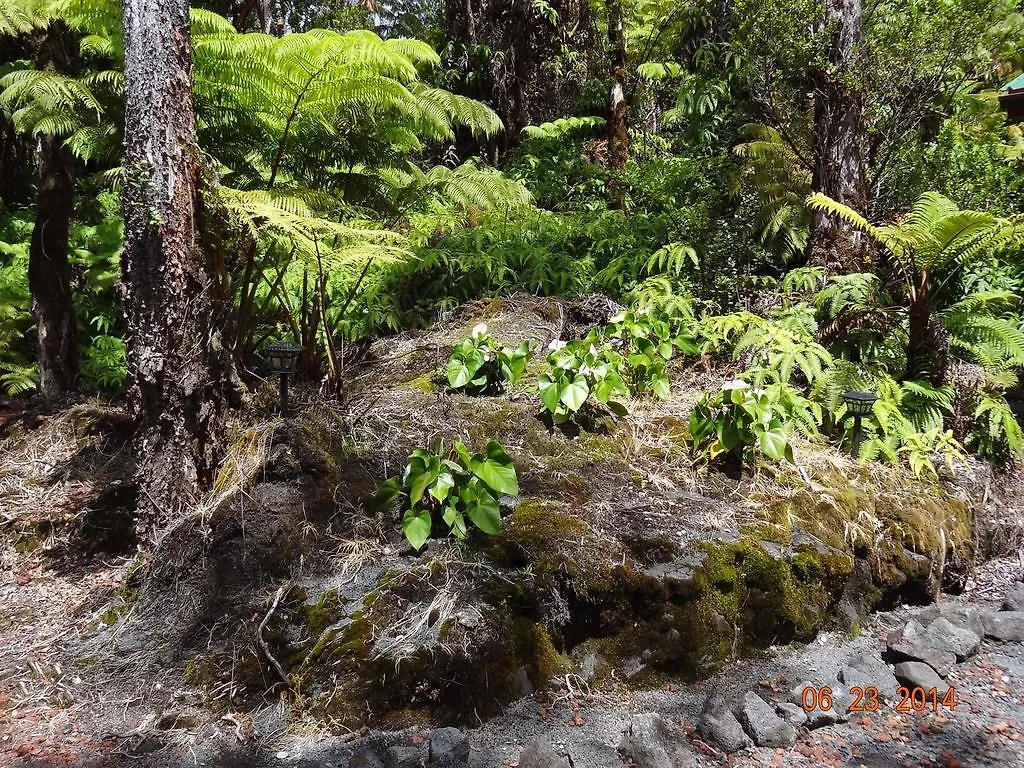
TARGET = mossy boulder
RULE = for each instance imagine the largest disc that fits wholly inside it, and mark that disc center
(428, 644)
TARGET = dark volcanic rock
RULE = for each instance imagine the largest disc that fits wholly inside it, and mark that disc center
(913, 642)
(962, 642)
(719, 726)
(869, 670)
(792, 713)
(449, 748)
(765, 727)
(956, 612)
(1005, 626)
(1014, 600)
(404, 757)
(649, 743)
(541, 754)
(365, 758)
(838, 712)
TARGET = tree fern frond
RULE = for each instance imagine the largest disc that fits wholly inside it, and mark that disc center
(20, 17)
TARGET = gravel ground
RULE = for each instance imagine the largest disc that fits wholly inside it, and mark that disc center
(986, 729)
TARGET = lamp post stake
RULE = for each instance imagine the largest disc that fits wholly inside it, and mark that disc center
(284, 394)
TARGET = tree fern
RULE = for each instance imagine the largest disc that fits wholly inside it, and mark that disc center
(19, 17)
(777, 183)
(803, 279)
(927, 246)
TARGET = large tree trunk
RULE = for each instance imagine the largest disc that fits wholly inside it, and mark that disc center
(839, 141)
(618, 110)
(49, 271)
(173, 347)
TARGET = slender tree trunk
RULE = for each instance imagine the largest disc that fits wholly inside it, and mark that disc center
(839, 141)
(174, 352)
(618, 110)
(49, 271)
(928, 341)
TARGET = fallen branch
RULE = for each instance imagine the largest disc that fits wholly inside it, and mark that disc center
(263, 643)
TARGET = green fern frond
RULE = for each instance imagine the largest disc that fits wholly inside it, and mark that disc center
(20, 17)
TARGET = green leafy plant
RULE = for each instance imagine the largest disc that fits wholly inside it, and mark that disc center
(928, 246)
(579, 369)
(782, 347)
(646, 343)
(922, 450)
(907, 426)
(478, 367)
(103, 363)
(740, 420)
(446, 490)
(996, 433)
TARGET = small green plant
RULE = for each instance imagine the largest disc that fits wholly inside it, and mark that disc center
(441, 489)
(922, 450)
(478, 367)
(103, 363)
(739, 420)
(646, 342)
(579, 369)
(17, 379)
(996, 433)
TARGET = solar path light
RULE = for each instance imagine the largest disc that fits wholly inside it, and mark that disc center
(858, 405)
(283, 358)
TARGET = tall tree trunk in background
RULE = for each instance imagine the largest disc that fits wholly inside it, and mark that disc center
(839, 141)
(618, 110)
(49, 271)
(174, 352)
(927, 340)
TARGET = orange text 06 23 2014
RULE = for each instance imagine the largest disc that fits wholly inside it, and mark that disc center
(868, 699)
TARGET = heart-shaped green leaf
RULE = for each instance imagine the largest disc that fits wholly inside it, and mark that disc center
(774, 443)
(575, 393)
(661, 386)
(485, 514)
(386, 494)
(499, 476)
(444, 483)
(416, 526)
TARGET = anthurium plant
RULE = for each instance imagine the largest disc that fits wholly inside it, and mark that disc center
(477, 366)
(739, 420)
(444, 491)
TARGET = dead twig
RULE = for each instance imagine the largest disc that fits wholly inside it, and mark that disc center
(263, 643)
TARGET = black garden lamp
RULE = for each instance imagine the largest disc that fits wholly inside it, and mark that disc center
(858, 405)
(283, 358)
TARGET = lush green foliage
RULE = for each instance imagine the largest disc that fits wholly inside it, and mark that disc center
(740, 420)
(579, 369)
(358, 181)
(478, 367)
(447, 489)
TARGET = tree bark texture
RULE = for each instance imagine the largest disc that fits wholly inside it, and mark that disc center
(49, 271)
(928, 341)
(839, 141)
(618, 110)
(173, 347)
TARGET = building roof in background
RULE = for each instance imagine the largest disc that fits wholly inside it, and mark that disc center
(1017, 84)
